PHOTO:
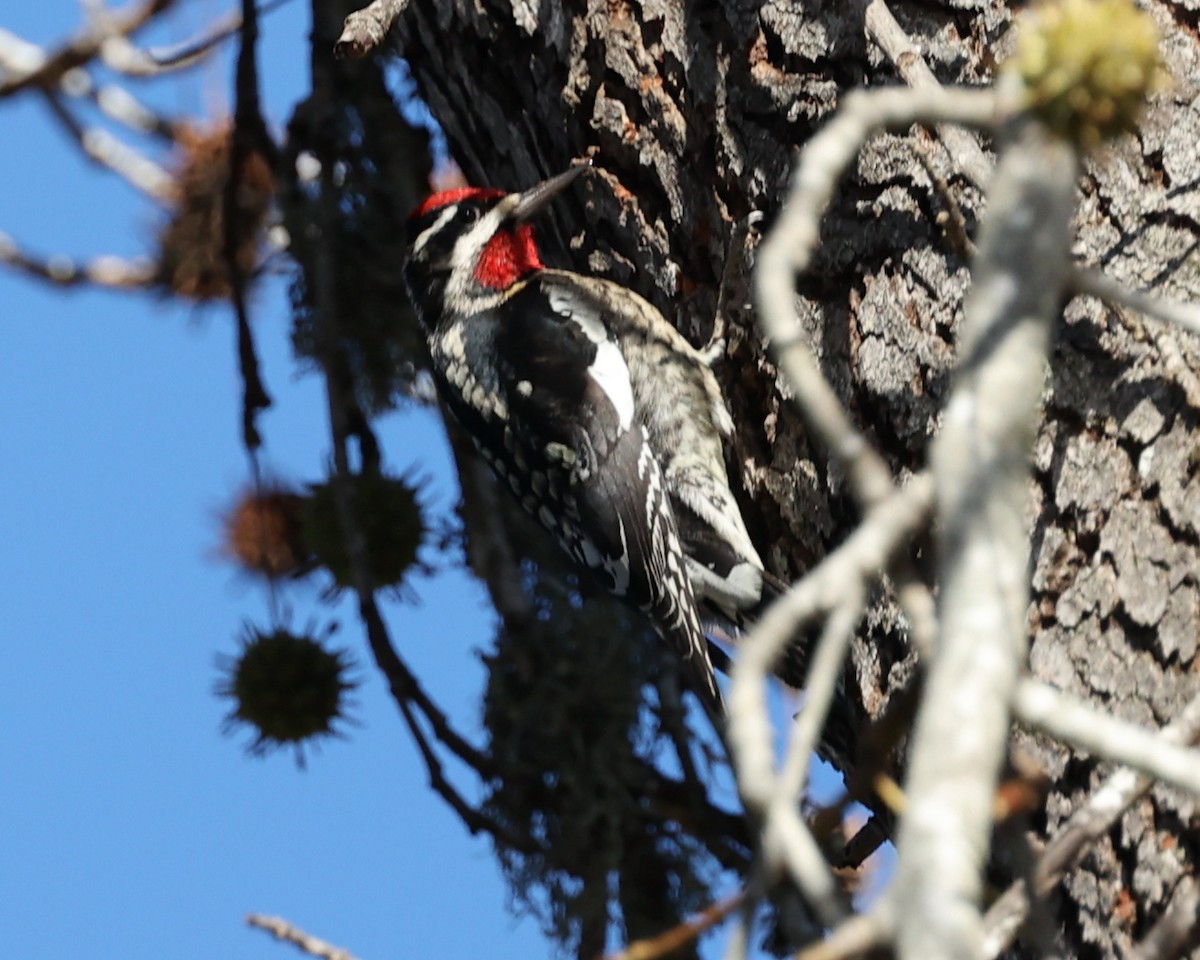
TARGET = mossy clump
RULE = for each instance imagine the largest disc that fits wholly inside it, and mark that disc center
(193, 247)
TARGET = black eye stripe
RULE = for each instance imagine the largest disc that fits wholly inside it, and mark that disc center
(450, 221)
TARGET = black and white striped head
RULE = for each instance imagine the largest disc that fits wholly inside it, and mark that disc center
(467, 247)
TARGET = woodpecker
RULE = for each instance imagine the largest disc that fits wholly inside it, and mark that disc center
(678, 399)
(538, 365)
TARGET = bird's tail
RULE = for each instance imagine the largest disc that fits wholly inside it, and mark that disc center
(727, 627)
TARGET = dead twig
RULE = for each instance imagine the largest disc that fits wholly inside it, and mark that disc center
(365, 29)
(1175, 931)
(1083, 727)
(882, 27)
(110, 272)
(856, 936)
(83, 49)
(680, 936)
(288, 932)
(249, 133)
(862, 556)
(1093, 283)
(105, 150)
(1086, 825)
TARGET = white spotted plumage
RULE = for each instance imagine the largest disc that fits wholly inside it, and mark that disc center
(679, 400)
(539, 379)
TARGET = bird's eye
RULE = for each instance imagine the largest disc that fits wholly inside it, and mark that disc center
(470, 214)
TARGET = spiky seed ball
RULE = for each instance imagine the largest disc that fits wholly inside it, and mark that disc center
(264, 533)
(1087, 67)
(193, 261)
(289, 689)
(392, 520)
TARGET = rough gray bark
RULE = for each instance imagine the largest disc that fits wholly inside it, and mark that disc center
(691, 112)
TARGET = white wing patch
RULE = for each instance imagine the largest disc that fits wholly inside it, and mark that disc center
(612, 375)
(609, 369)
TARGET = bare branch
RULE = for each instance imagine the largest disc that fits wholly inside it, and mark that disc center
(863, 554)
(365, 29)
(1083, 727)
(1087, 824)
(1108, 802)
(283, 930)
(853, 938)
(742, 239)
(820, 686)
(788, 842)
(1093, 283)
(680, 936)
(981, 464)
(787, 838)
(788, 250)
(249, 132)
(82, 49)
(118, 104)
(952, 219)
(123, 56)
(110, 272)
(107, 151)
(475, 820)
(191, 52)
(882, 27)
(19, 56)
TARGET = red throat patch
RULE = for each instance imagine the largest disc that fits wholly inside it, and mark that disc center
(510, 255)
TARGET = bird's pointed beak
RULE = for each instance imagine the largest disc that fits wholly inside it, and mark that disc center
(522, 206)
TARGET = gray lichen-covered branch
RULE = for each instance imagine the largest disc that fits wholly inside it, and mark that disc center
(981, 467)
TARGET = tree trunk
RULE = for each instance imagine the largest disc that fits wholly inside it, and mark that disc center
(692, 113)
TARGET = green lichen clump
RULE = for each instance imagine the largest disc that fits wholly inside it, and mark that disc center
(288, 689)
(1088, 67)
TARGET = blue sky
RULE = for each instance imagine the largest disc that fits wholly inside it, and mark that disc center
(129, 826)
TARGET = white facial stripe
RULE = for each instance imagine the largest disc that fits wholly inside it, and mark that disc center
(443, 218)
(461, 285)
(471, 243)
